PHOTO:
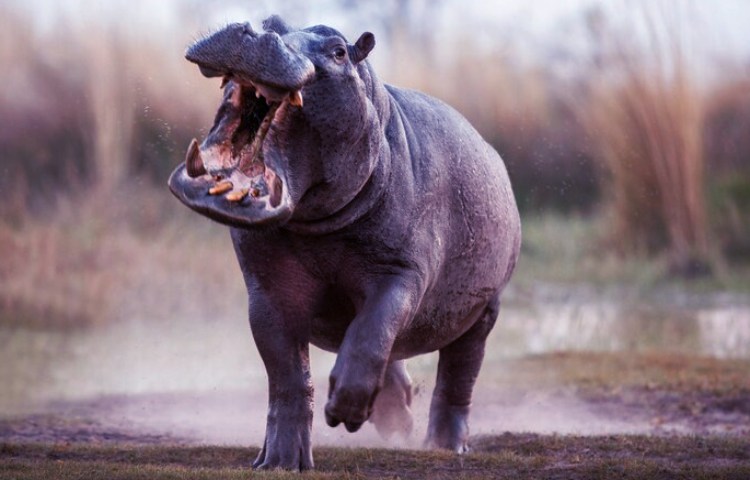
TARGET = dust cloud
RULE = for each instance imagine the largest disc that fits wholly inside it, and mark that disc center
(203, 382)
(188, 369)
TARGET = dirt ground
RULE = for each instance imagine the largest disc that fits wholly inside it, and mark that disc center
(551, 416)
(641, 433)
(187, 419)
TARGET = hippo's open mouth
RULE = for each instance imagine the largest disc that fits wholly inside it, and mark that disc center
(226, 177)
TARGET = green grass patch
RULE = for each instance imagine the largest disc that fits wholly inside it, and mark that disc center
(604, 371)
(577, 249)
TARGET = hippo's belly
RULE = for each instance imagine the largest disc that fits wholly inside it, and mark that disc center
(470, 267)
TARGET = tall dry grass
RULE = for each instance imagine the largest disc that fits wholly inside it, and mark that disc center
(521, 108)
(645, 117)
(88, 96)
(95, 111)
(727, 152)
(96, 262)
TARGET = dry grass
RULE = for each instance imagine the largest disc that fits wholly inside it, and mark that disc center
(125, 254)
(104, 106)
(727, 143)
(89, 93)
(645, 118)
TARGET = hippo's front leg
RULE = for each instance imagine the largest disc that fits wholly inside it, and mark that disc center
(283, 346)
(358, 373)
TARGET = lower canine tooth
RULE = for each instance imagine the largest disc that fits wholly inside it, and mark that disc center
(237, 196)
(193, 160)
(221, 187)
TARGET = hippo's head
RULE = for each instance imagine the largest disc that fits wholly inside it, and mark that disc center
(295, 112)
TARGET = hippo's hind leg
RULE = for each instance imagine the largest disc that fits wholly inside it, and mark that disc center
(391, 412)
(458, 368)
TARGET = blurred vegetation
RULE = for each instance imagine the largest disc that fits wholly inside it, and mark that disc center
(622, 140)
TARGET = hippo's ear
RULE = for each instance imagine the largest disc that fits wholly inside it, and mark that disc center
(275, 23)
(363, 47)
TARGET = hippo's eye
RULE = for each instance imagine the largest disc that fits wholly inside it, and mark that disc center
(339, 53)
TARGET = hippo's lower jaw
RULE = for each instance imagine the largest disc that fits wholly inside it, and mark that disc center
(226, 178)
(238, 205)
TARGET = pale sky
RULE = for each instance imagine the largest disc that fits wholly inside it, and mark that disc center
(723, 25)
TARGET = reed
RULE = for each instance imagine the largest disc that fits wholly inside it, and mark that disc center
(645, 117)
(726, 147)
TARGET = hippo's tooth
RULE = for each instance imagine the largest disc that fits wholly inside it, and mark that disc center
(257, 94)
(295, 98)
(193, 160)
(237, 196)
(221, 187)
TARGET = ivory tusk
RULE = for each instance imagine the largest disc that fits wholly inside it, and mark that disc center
(295, 98)
(193, 160)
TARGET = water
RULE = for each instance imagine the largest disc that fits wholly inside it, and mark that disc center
(716, 325)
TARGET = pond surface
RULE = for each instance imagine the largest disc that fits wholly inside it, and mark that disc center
(554, 319)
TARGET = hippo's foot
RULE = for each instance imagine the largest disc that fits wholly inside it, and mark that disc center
(350, 402)
(351, 406)
(391, 413)
(287, 445)
(448, 427)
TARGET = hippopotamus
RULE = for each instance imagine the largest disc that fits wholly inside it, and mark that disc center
(368, 220)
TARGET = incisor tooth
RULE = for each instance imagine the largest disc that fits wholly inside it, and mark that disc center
(237, 196)
(295, 98)
(221, 187)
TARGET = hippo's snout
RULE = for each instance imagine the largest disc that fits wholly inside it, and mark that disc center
(238, 53)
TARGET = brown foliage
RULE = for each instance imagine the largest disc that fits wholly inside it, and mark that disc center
(645, 118)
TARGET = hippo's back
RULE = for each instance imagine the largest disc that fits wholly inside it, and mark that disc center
(465, 203)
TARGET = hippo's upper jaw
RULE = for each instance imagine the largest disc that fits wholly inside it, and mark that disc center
(238, 53)
(226, 177)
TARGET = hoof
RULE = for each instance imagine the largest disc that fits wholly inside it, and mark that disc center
(352, 427)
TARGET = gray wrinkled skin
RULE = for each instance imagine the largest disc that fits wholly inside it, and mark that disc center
(398, 233)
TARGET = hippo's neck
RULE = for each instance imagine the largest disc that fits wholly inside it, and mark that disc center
(372, 144)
